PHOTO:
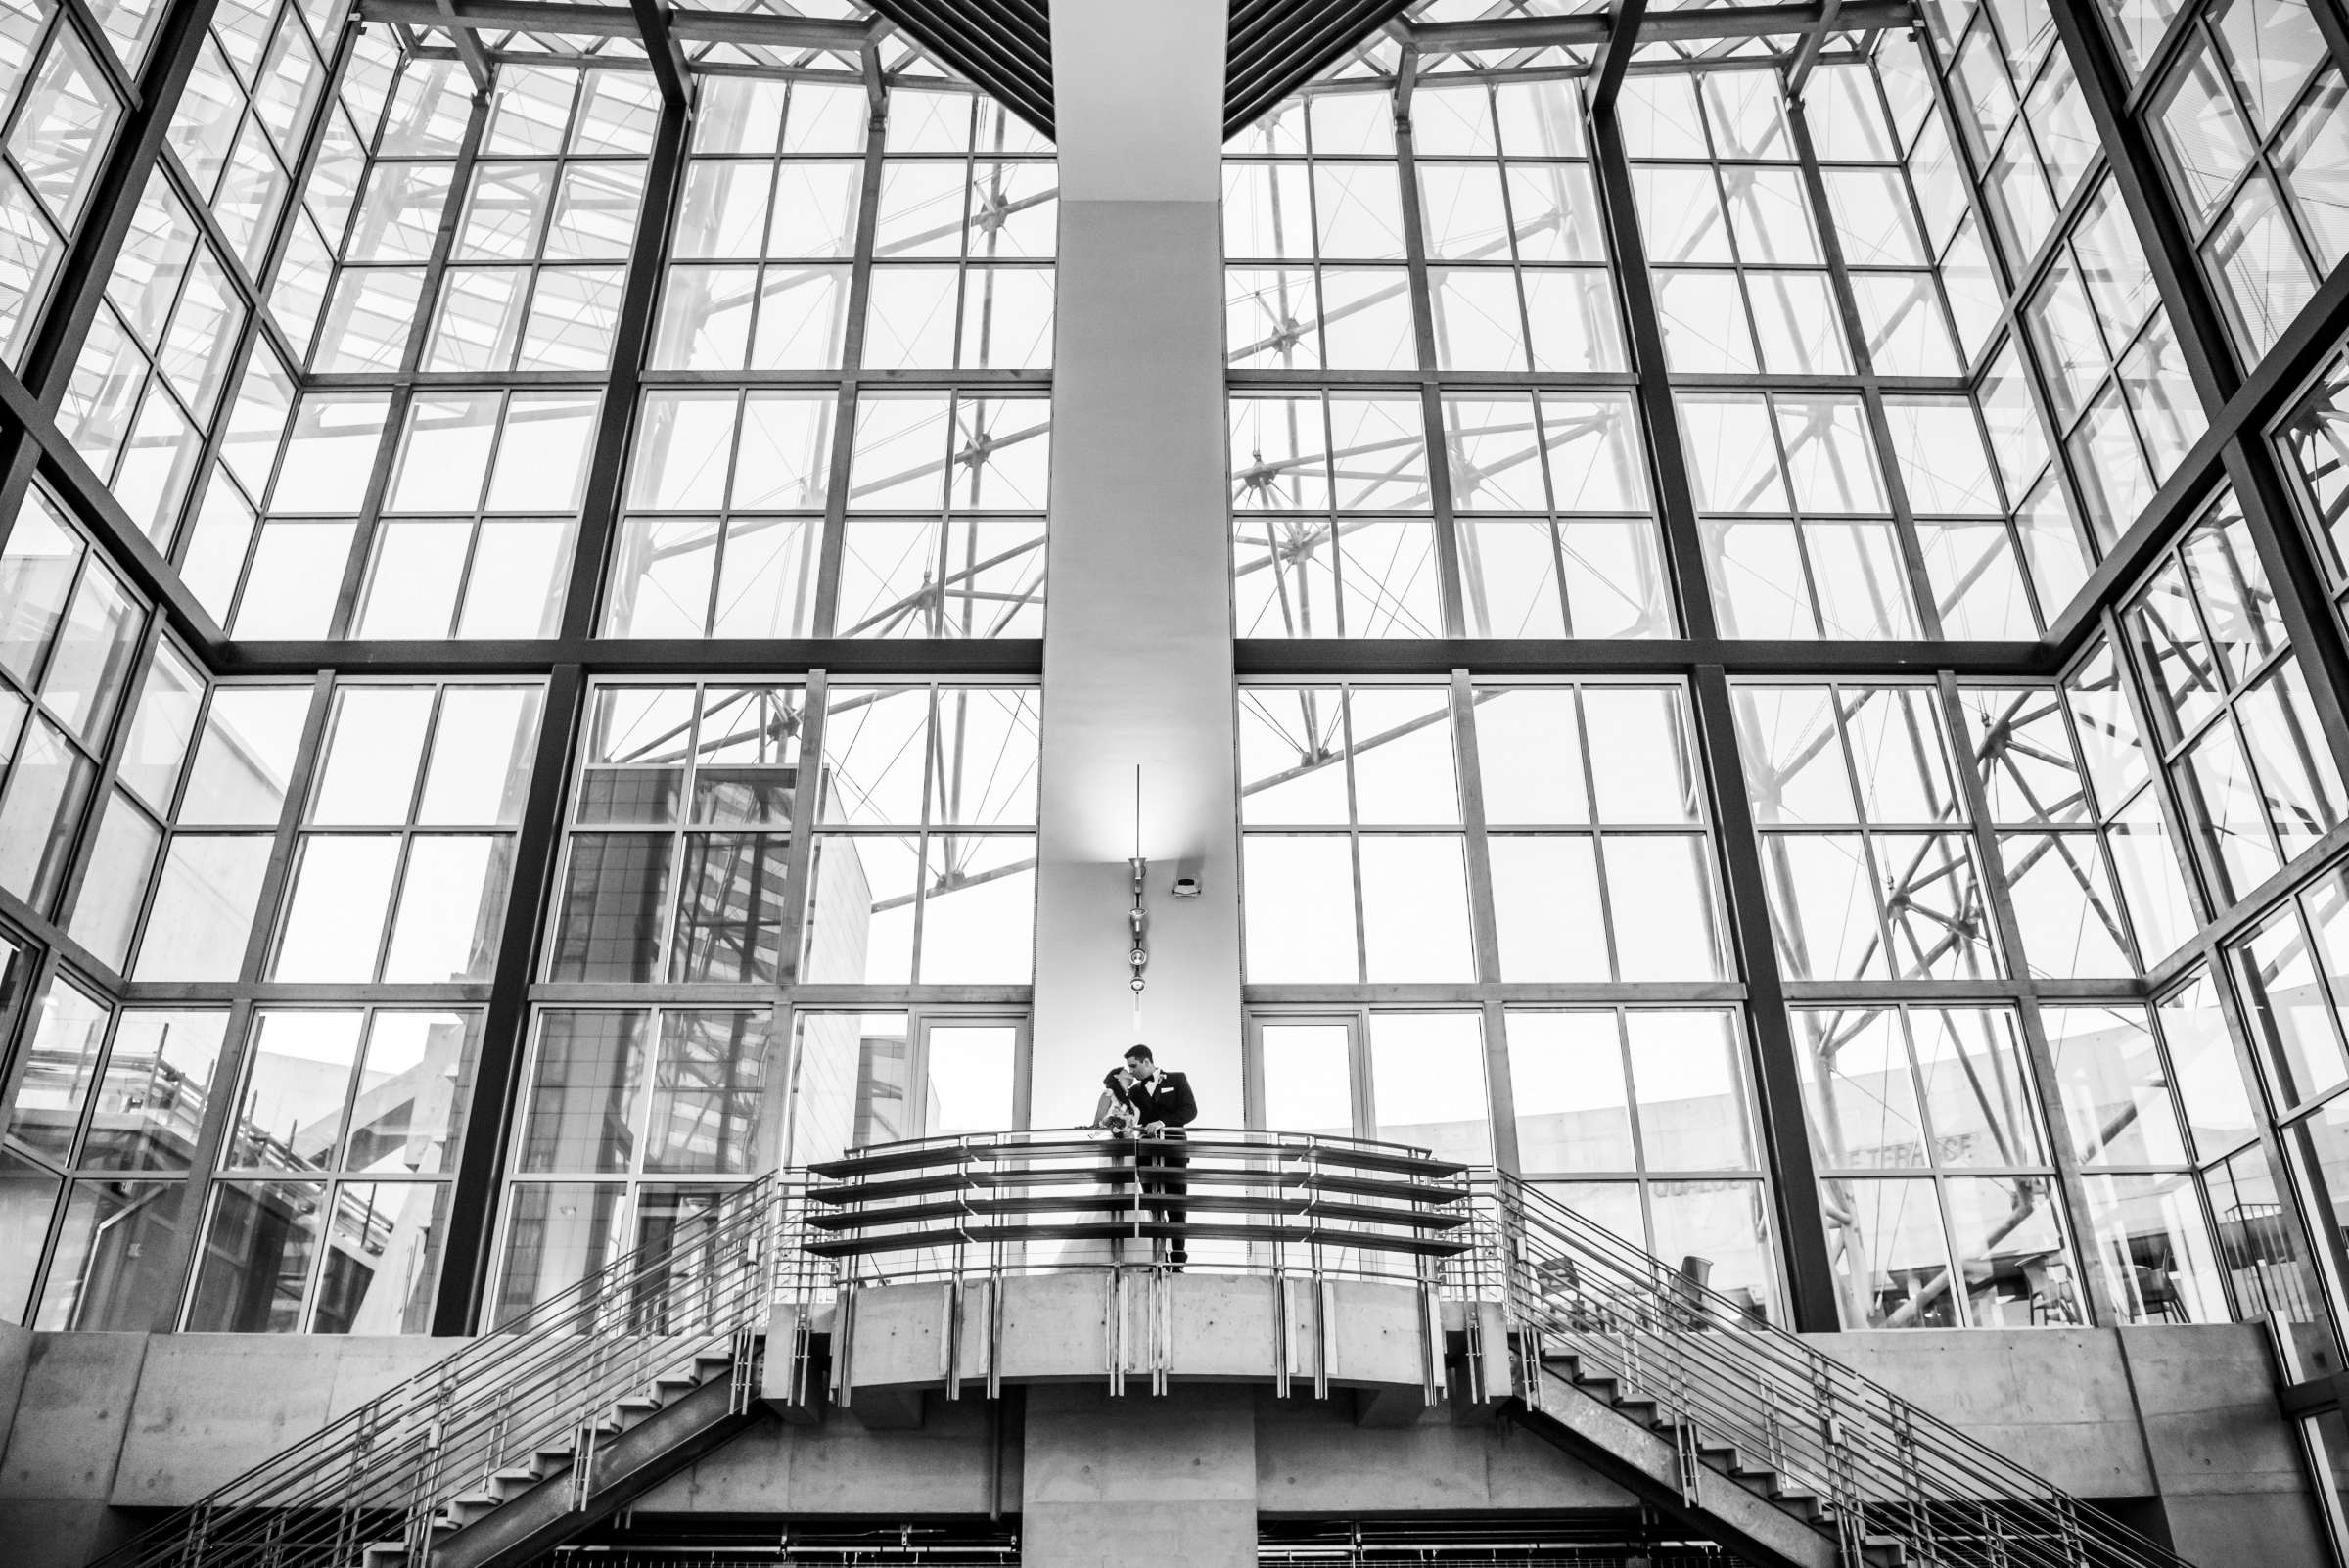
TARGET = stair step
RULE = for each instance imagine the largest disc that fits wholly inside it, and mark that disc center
(669, 1390)
(516, 1479)
(385, 1554)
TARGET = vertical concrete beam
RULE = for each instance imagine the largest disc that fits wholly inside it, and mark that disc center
(1138, 1481)
(1137, 634)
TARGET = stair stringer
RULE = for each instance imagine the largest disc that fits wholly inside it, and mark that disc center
(1648, 1464)
(627, 1465)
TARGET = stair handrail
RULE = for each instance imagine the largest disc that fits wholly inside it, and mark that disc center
(539, 1381)
(1881, 1466)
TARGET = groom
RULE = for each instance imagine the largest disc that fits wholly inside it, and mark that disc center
(1163, 1106)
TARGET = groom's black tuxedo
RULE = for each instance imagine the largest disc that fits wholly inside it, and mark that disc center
(1165, 1099)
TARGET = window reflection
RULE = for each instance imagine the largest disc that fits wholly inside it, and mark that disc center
(1943, 1092)
(662, 1102)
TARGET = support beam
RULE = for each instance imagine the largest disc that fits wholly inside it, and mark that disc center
(1798, 75)
(462, 1303)
(764, 28)
(1799, 1215)
(469, 48)
(1588, 30)
(1138, 655)
(631, 344)
(660, 51)
(1614, 56)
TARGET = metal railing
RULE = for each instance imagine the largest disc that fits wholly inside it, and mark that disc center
(1719, 1375)
(1219, 1200)
(1880, 1468)
(546, 1381)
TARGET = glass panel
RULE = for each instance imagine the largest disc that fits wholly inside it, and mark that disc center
(1891, 1259)
(254, 1264)
(2011, 1252)
(60, 1067)
(2114, 1085)
(584, 1092)
(1858, 1095)
(1427, 1084)
(1309, 1078)
(1688, 1079)
(151, 1102)
(2153, 1247)
(556, 1234)
(1572, 1103)
(382, 1257)
(709, 1096)
(414, 1082)
(113, 1267)
(970, 1070)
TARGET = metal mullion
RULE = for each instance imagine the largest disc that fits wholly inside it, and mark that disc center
(1354, 835)
(481, 1164)
(1775, 1064)
(286, 836)
(330, 1178)
(2295, 576)
(831, 539)
(107, 757)
(1872, 398)
(799, 848)
(1961, 1306)
(725, 514)
(1865, 829)
(1449, 566)
(1484, 928)
(369, 522)
(1598, 855)
(203, 1160)
(47, 972)
(90, 255)
(335, 57)
(2295, 1192)
(2037, 1048)
(2159, 224)
(1630, 1094)
(232, 261)
(1675, 497)
(602, 498)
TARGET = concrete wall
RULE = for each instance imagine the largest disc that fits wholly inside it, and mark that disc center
(2186, 1413)
(100, 1422)
(107, 1421)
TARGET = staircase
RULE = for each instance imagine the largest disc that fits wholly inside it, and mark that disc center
(566, 1414)
(1740, 1430)
(528, 1435)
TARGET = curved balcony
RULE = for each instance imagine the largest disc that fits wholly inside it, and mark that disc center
(1223, 1200)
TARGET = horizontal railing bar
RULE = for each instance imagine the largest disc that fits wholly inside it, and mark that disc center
(1120, 1202)
(1126, 1173)
(1147, 1230)
(917, 1153)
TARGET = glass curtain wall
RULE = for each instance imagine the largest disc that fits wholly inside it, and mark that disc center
(1921, 382)
(398, 356)
(414, 645)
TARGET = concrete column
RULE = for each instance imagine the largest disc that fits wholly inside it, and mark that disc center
(1138, 1481)
(1138, 628)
